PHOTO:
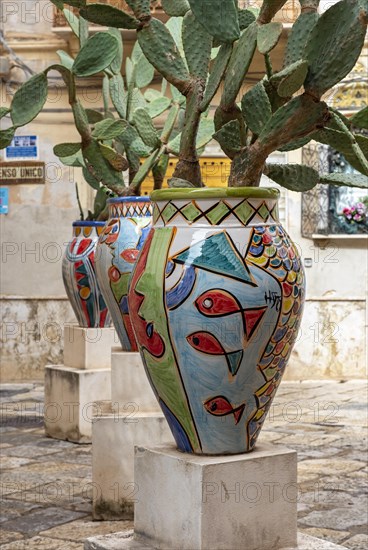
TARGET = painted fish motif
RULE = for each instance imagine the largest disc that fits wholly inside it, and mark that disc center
(219, 303)
(208, 343)
(221, 406)
(110, 232)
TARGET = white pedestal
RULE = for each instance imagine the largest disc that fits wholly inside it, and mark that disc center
(129, 383)
(72, 401)
(239, 502)
(88, 348)
(114, 437)
(223, 502)
(126, 541)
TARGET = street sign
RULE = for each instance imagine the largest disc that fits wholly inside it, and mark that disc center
(22, 148)
(22, 172)
(4, 200)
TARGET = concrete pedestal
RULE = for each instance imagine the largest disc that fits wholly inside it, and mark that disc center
(74, 400)
(126, 541)
(88, 348)
(75, 392)
(192, 502)
(202, 502)
(129, 383)
(114, 437)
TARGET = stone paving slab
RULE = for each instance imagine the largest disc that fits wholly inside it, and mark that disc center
(46, 484)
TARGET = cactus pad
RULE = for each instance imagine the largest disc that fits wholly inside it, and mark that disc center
(98, 53)
(118, 94)
(158, 106)
(256, 108)
(296, 119)
(298, 37)
(66, 149)
(116, 160)
(197, 45)
(229, 138)
(347, 180)
(239, 63)
(108, 16)
(219, 18)
(268, 36)
(6, 137)
(109, 129)
(216, 75)
(162, 52)
(360, 119)
(141, 8)
(246, 17)
(175, 8)
(29, 100)
(145, 128)
(334, 45)
(295, 177)
(291, 78)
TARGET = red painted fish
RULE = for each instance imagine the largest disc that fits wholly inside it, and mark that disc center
(221, 406)
(219, 303)
(110, 231)
(206, 342)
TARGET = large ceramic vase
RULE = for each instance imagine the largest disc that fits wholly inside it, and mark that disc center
(216, 300)
(78, 268)
(117, 250)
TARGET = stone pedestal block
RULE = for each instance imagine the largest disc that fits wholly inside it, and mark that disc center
(223, 502)
(88, 348)
(114, 437)
(126, 541)
(72, 399)
(129, 384)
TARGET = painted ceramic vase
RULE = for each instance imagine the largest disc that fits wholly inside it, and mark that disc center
(79, 276)
(216, 300)
(117, 250)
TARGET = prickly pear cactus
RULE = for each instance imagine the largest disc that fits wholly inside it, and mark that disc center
(206, 49)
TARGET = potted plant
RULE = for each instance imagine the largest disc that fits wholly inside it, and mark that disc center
(217, 292)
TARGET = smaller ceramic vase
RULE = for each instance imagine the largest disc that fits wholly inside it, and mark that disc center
(116, 253)
(79, 276)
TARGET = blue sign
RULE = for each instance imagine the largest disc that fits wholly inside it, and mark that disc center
(4, 200)
(22, 148)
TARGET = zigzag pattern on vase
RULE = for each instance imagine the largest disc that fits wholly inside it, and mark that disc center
(130, 209)
(244, 211)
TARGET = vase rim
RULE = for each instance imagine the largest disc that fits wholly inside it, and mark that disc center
(91, 223)
(115, 200)
(215, 193)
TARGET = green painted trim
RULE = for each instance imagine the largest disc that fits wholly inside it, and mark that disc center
(215, 193)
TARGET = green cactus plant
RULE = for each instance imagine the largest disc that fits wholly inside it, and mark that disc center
(109, 145)
(320, 51)
(200, 51)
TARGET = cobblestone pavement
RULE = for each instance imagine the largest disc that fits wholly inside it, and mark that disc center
(46, 484)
